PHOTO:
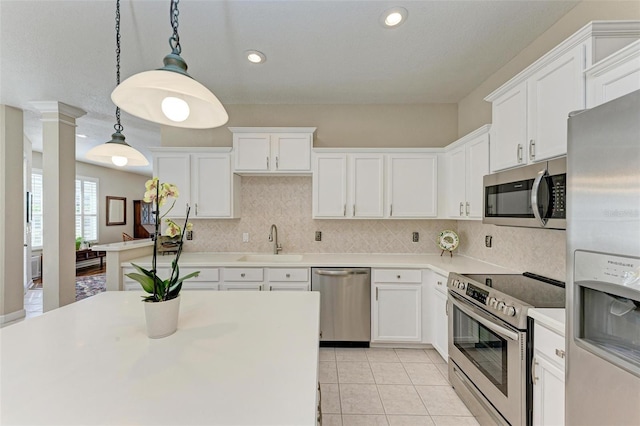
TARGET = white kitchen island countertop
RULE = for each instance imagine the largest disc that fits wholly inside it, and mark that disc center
(440, 264)
(552, 318)
(238, 358)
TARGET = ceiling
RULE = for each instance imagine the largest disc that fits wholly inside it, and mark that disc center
(318, 52)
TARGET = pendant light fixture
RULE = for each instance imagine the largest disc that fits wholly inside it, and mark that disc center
(117, 151)
(169, 95)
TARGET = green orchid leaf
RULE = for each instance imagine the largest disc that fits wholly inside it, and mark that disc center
(142, 270)
(145, 281)
(186, 277)
(174, 292)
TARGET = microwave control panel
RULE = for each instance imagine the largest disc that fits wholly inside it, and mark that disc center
(558, 188)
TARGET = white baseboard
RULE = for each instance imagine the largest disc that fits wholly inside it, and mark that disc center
(13, 316)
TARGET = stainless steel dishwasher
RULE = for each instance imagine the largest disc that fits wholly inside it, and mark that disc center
(345, 305)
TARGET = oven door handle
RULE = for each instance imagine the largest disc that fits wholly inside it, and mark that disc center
(487, 323)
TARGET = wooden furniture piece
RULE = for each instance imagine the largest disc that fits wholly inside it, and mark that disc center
(229, 353)
(88, 254)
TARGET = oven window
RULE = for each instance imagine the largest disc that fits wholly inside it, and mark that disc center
(484, 348)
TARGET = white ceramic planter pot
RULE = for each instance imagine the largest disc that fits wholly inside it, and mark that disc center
(162, 317)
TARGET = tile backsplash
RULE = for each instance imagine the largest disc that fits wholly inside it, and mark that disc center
(286, 202)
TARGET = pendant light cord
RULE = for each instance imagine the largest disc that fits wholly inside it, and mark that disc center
(174, 40)
(118, 127)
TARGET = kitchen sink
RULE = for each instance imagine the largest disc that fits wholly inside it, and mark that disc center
(271, 258)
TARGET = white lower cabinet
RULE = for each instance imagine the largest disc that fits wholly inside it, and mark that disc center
(547, 371)
(439, 318)
(396, 306)
(265, 279)
(208, 279)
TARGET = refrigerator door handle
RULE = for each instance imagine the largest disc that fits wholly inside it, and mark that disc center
(534, 196)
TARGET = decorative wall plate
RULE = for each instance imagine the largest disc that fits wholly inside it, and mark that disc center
(448, 241)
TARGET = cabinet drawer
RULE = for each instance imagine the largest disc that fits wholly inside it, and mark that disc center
(243, 274)
(550, 344)
(397, 275)
(206, 274)
(288, 274)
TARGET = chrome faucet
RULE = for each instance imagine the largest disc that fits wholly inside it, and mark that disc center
(276, 247)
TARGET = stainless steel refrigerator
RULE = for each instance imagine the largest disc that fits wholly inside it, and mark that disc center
(603, 265)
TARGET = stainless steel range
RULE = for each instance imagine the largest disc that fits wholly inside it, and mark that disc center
(489, 341)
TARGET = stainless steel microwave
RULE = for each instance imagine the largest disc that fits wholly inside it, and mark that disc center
(532, 196)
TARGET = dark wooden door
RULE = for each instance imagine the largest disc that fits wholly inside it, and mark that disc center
(142, 219)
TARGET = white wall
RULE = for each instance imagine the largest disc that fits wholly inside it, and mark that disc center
(112, 182)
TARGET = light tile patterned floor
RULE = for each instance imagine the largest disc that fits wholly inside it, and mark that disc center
(392, 387)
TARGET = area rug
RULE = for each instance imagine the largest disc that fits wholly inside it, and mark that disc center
(86, 286)
(89, 285)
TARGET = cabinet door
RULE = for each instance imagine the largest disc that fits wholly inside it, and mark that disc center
(477, 161)
(397, 313)
(367, 185)
(291, 152)
(509, 129)
(211, 185)
(548, 392)
(554, 91)
(620, 78)
(457, 169)
(330, 186)
(174, 168)
(440, 324)
(412, 185)
(252, 152)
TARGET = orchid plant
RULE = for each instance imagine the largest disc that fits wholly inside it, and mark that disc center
(161, 290)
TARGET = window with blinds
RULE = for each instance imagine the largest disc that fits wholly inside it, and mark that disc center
(86, 206)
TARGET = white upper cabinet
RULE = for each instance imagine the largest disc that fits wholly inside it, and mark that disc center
(330, 186)
(369, 185)
(348, 185)
(467, 163)
(272, 150)
(204, 180)
(412, 185)
(509, 128)
(553, 92)
(614, 76)
(530, 111)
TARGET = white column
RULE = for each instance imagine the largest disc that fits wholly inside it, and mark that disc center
(59, 217)
(11, 215)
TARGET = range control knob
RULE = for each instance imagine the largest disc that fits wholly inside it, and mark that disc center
(492, 302)
(500, 306)
(509, 311)
(462, 285)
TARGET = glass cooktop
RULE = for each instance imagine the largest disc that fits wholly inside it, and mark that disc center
(531, 289)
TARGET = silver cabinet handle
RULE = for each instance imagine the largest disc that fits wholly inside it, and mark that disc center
(534, 378)
(376, 293)
(560, 353)
(460, 208)
(186, 208)
(519, 153)
(398, 276)
(532, 149)
(391, 210)
(466, 208)
(242, 275)
(439, 282)
(267, 163)
(344, 210)
(196, 209)
(288, 275)
(354, 209)
(276, 163)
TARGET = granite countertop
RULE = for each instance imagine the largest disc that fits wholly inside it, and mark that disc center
(552, 318)
(440, 264)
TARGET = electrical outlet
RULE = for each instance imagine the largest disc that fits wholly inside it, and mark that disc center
(487, 241)
(416, 237)
(318, 235)
(189, 235)
(245, 237)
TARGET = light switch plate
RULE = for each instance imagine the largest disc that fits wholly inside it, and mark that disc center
(487, 241)
(415, 237)
(245, 237)
(318, 235)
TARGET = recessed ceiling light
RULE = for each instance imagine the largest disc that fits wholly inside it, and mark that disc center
(255, 57)
(80, 135)
(393, 17)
